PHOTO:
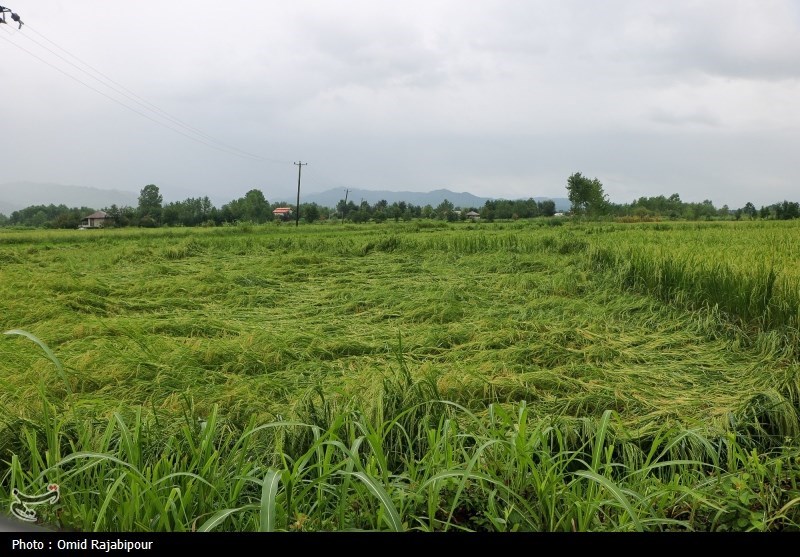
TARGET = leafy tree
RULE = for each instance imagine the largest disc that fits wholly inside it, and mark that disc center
(49, 216)
(528, 208)
(191, 212)
(361, 215)
(344, 209)
(171, 214)
(70, 219)
(232, 211)
(147, 222)
(150, 200)
(310, 212)
(586, 195)
(671, 207)
(121, 216)
(395, 212)
(39, 218)
(252, 207)
(706, 209)
(547, 207)
(503, 209)
(787, 210)
(488, 210)
(444, 211)
(256, 208)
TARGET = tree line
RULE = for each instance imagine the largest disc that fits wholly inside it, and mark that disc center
(253, 207)
(588, 199)
(586, 196)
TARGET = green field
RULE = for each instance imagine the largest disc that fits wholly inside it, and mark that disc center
(505, 376)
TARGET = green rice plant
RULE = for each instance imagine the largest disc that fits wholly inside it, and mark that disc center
(47, 351)
(713, 267)
(509, 473)
(255, 380)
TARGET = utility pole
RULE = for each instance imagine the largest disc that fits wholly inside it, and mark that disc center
(300, 166)
(346, 191)
(15, 17)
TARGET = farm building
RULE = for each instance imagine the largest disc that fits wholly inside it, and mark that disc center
(472, 215)
(282, 213)
(97, 219)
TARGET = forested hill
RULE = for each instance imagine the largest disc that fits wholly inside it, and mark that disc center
(18, 195)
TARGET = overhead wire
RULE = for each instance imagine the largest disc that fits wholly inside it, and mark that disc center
(199, 136)
(124, 91)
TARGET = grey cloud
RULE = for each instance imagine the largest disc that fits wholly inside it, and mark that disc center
(673, 118)
(502, 98)
(749, 40)
(375, 57)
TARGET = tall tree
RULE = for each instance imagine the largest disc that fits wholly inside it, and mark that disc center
(256, 207)
(444, 211)
(252, 207)
(586, 195)
(150, 200)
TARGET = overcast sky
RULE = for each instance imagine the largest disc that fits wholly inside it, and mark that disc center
(497, 98)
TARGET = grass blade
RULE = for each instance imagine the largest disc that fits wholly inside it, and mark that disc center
(392, 516)
(269, 492)
(47, 351)
(615, 491)
(219, 518)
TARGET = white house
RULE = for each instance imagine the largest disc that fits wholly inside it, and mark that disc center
(95, 220)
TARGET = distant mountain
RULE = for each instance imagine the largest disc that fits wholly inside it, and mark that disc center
(330, 198)
(18, 195)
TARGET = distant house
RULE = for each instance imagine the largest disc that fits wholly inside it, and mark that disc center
(282, 213)
(472, 215)
(95, 220)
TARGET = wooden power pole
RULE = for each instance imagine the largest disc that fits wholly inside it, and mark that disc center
(344, 207)
(300, 166)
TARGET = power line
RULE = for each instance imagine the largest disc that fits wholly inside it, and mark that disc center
(220, 146)
(124, 91)
(142, 114)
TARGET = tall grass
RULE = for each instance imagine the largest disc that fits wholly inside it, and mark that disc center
(500, 471)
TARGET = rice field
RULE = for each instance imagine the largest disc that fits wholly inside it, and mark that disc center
(405, 376)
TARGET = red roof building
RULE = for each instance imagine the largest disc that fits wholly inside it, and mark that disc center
(282, 212)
